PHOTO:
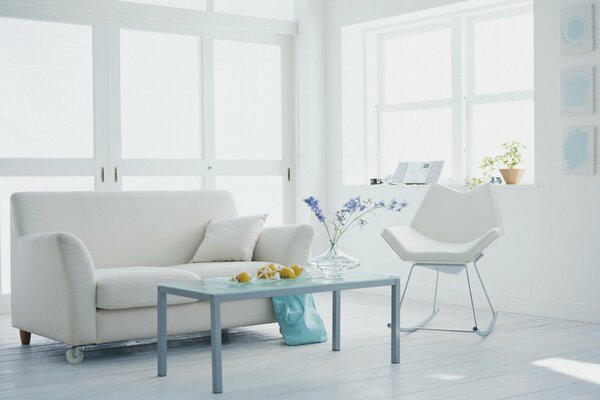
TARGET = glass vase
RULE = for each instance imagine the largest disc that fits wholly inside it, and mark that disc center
(333, 263)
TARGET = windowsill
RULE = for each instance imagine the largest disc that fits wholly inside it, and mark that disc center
(524, 186)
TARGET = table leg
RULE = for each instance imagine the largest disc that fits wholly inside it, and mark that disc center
(337, 297)
(215, 344)
(161, 305)
(395, 325)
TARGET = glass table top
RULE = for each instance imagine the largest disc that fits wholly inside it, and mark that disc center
(221, 286)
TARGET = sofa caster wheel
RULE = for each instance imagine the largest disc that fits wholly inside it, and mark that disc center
(74, 355)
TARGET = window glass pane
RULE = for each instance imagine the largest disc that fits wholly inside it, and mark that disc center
(189, 4)
(46, 89)
(276, 9)
(160, 95)
(417, 67)
(503, 54)
(247, 100)
(161, 183)
(496, 123)
(256, 195)
(419, 135)
(10, 185)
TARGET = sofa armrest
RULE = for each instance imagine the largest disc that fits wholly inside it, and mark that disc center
(54, 288)
(285, 245)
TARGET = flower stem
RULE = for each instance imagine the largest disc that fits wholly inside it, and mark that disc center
(352, 222)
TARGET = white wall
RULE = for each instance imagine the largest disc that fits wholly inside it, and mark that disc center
(548, 263)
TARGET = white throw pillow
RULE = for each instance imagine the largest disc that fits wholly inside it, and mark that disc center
(230, 239)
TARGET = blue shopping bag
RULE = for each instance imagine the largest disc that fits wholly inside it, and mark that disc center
(299, 321)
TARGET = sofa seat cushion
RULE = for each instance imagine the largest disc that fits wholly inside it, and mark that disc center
(220, 269)
(131, 287)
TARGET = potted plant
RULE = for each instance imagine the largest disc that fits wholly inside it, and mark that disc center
(511, 159)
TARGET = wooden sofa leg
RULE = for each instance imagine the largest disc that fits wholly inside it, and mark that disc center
(25, 336)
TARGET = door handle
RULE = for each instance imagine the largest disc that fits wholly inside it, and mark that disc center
(102, 174)
(116, 174)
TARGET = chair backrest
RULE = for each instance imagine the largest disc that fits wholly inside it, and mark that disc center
(123, 229)
(452, 216)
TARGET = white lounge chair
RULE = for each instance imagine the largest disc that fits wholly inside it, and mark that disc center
(450, 230)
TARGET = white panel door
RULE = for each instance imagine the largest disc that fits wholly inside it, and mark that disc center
(157, 106)
(254, 122)
(208, 109)
(52, 74)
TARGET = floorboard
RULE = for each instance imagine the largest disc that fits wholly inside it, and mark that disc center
(508, 364)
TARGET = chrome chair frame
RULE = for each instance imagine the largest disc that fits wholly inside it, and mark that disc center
(422, 325)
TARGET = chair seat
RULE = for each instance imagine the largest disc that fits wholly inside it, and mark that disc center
(411, 245)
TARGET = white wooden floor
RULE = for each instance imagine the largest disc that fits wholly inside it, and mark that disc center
(525, 358)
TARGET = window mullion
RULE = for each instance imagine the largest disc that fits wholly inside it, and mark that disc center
(208, 104)
(374, 115)
(458, 120)
(468, 90)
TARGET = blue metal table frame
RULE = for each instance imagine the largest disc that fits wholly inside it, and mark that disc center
(198, 290)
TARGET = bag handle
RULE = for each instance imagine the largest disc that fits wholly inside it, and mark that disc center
(287, 309)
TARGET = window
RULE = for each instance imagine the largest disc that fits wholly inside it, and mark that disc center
(162, 183)
(161, 112)
(451, 87)
(46, 103)
(148, 95)
(249, 201)
(247, 86)
(500, 100)
(415, 98)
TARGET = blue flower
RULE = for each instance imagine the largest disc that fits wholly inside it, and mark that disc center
(396, 206)
(315, 207)
(352, 205)
(353, 212)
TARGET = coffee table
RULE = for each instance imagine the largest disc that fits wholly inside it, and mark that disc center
(218, 290)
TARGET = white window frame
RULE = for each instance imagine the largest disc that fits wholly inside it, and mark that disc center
(462, 98)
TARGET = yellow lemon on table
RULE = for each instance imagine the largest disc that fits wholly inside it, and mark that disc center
(297, 269)
(272, 267)
(243, 277)
(287, 273)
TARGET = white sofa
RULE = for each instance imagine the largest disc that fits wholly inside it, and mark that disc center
(85, 265)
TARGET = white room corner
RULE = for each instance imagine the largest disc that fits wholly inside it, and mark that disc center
(546, 264)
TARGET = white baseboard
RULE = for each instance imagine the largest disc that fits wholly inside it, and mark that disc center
(515, 304)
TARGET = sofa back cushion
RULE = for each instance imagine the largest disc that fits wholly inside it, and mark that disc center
(124, 228)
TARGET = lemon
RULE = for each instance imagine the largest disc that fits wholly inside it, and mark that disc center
(297, 269)
(272, 267)
(287, 273)
(243, 277)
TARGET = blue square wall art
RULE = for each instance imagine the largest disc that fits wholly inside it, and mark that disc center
(577, 29)
(577, 91)
(579, 150)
